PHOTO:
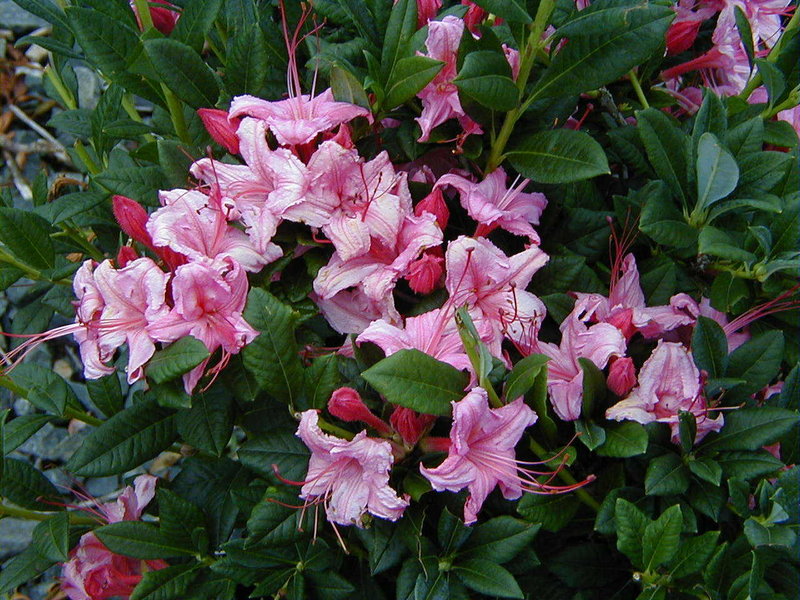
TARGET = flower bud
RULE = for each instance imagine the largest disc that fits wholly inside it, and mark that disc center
(125, 255)
(681, 35)
(220, 128)
(621, 376)
(425, 273)
(346, 404)
(164, 19)
(132, 218)
(435, 204)
(410, 424)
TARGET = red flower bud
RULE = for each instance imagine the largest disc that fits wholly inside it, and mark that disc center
(681, 35)
(435, 204)
(410, 424)
(125, 255)
(623, 320)
(425, 273)
(220, 128)
(132, 218)
(346, 404)
(164, 19)
(621, 376)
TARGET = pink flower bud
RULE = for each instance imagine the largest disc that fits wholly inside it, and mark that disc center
(132, 218)
(425, 273)
(623, 320)
(221, 129)
(435, 204)
(681, 35)
(426, 10)
(346, 404)
(474, 15)
(621, 376)
(410, 424)
(164, 19)
(125, 255)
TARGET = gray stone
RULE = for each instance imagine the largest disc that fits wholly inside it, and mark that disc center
(88, 87)
(16, 535)
(14, 18)
(102, 486)
(53, 443)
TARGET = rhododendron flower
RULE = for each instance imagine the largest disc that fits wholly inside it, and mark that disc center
(493, 205)
(426, 10)
(621, 375)
(93, 572)
(440, 100)
(480, 275)
(298, 119)
(209, 300)
(597, 343)
(625, 307)
(197, 226)
(221, 128)
(669, 382)
(350, 478)
(683, 30)
(435, 204)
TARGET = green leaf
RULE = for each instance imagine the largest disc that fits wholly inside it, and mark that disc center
(46, 390)
(44, 9)
(383, 544)
(663, 222)
(707, 470)
(558, 156)
(280, 448)
(107, 42)
(750, 429)
(757, 361)
(19, 429)
(716, 242)
(710, 347)
(402, 25)
(176, 359)
(666, 475)
(726, 292)
(591, 61)
(208, 424)
(320, 380)
(583, 565)
(27, 236)
(591, 435)
(75, 122)
(181, 521)
(347, 88)
(125, 441)
(687, 430)
(194, 82)
(717, 171)
(769, 535)
(246, 69)
(170, 583)
(195, 22)
(594, 387)
(485, 77)
(624, 440)
(667, 149)
(139, 540)
(693, 555)
(748, 465)
(273, 357)
(106, 394)
(22, 569)
(661, 538)
(331, 586)
(451, 532)
(745, 34)
(274, 521)
(24, 485)
(51, 538)
(418, 381)
(489, 578)
(410, 75)
(524, 376)
(630, 527)
(514, 11)
(499, 539)
(552, 511)
(711, 118)
(141, 183)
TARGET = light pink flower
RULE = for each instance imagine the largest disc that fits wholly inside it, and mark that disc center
(351, 311)
(93, 572)
(298, 119)
(481, 454)
(683, 30)
(350, 478)
(88, 308)
(597, 343)
(480, 275)
(493, 205)
(440, 100)
(669, 382)
(625, 307)
(132, 219)
(209, 300)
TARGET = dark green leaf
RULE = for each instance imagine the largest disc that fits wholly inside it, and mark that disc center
(710, 347)
(22, 569)
(208, 424)
(125, 441)
(524, 376)
(687, 430)
(418, 381)
(384, 545)
(106, 394)
(486, 78)
(347, 88)
(275, 522)
(750, 429)
(667, 149)
(757, 361)
(138, 540)
(281, 449)
(246, 70)
(402, 25)
(194, 82)
(661, 538)
(180, 520)
(25, 485)
(707, 470)
(176, 359)
(410, 75)
(558, 156)
(141, 183)
(27, 236)
(590, 434)
(170, 583)
(46, 390)
(514, 11)
(664, 223)
(19, 429)
(107, 42)
(747, 465)
(693, 555)
(499, 539)
(488, 578)
(624, 440)
(745, 34)
(666, 475)
(320, 380)
(630, 525)
(51, 538)
(195, 21)
(717, 171)
(552, 511)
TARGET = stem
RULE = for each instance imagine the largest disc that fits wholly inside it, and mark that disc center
(637, 87)
(66, 96)
(75, 518)
(76, 237)
(176, 114)
(90, 165)
(335, 430)
(143, 10)
(84, 417)
(565, 476)
(32, 273)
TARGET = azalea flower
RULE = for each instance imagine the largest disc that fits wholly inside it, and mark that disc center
(351, 310)
(669, 382)
(93, 572)
(349, 478)
(493, 205)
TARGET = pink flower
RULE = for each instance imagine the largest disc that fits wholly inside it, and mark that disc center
(683, 30)
(474, 15)
(440, 100)
(598, 343)
(621, 376)
(93, 572)
(209, 300)
(88, 308)
(426, 10)
(351, 311)
(669, 382)
(300, 118)
(625, 307)
(435, 204)
(350, 478)
(480, 275)
(493, 205)
(221, 128)
(425, 273)
(481, 454)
